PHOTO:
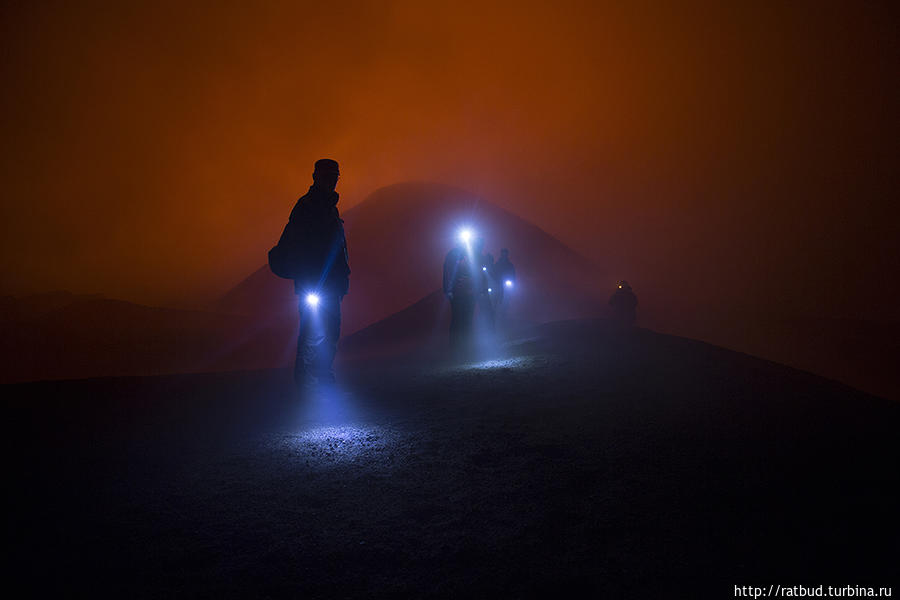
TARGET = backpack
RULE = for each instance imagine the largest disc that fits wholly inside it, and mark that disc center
(280, 262)
(289, 258)
(303, 253)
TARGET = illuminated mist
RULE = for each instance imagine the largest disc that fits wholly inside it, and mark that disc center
(742, 156)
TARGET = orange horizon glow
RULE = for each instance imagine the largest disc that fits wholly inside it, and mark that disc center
(153, 151)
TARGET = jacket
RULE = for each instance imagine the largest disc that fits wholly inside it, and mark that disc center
(317, 244)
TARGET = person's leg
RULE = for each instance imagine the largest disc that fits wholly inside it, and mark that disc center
(305, 351)
(455, 321)
(330, 315)
(487, 307)
(500, 314)
(467, 318)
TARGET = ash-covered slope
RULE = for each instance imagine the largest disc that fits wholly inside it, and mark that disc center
(421, 324)
(579, 463)
(398, 238)
(63, 336)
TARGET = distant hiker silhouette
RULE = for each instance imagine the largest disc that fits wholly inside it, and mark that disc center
(624, 305)
(488, 287)
(504, 275)
(465, 285)
(312, 251)
(505, 281)
(460, 290)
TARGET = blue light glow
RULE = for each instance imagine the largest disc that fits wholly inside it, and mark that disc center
(509, 363)
(312, 300)
(330, 444)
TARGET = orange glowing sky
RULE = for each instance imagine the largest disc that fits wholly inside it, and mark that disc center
(152, 152)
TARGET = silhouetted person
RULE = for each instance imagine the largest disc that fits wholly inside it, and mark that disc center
(465, 284)
(624, 305)
(313, 252)
(504, 274)
(459, 287)
(487, 286)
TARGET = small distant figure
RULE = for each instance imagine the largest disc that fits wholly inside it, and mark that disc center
(489, 261)
(487, 285)
(313, 252)
(624, 305)
(466, 286)
(505, 275)
(459, 288)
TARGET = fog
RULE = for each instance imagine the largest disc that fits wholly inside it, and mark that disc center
(741, 157)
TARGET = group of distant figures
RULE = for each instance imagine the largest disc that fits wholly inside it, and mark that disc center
(476, 286)
(312, 251)
(473, 281)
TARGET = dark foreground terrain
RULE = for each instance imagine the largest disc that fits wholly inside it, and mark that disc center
(637, 465)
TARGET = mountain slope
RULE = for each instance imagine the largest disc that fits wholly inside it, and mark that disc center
(579, 463)
(78, 337)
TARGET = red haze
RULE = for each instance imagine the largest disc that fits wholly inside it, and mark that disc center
(742, 156)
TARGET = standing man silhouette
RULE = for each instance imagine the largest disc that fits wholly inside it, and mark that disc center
(314, 247)
(624, 304)
(483, 264)
(459, 287)
(466, 286)
(505, 276)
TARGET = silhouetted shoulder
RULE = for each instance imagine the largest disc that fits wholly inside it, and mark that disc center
(453, 255)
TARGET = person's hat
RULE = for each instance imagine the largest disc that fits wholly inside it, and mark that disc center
(326, 165)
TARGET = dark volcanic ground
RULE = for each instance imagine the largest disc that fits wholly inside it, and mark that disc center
(639, 465)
